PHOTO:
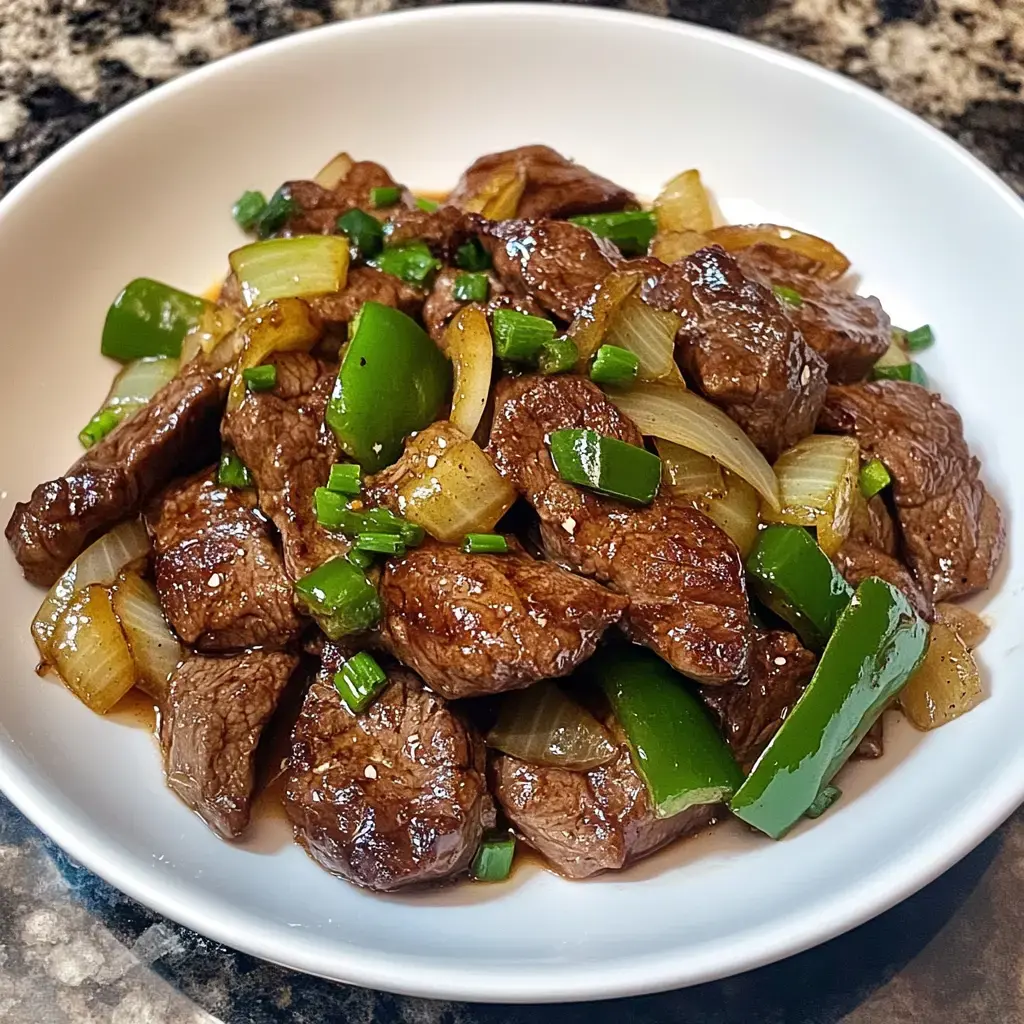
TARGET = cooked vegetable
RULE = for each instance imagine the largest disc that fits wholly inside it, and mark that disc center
(595, 318)
(946, 685)
(260, 378)
(248, 209)
(334, 172)
(472, 255)
(385, 195)
(631, 230)
(333, 513)
(279, 208)
(494, 857)
(877, 644)
(345, 478)
(471, 287)
(542, 725)
(737, 512)
(232, 471)
(380, 543)
(904, 371)
(919, 339)
(831, 262)
(499, 197)
(214, 327)
(520, 336)
(793, 577)
(971, 628)
(788, 295)
(688, 473)
(823, 801)
(149, 318)
(133, 387)
(614, 365)
(672, 246)
(427, 205)
(650, 334)
(393, 381)
(674, 414)
(360, 559)
(467, 343)
(340, 597)
(290, 268)
(675, 747)
(606, 465)
(559, 355)
(817, 478)
(683, 205)
(874, 477)
(485, 544)
(364, 232)
(360, 680)
(414, 262)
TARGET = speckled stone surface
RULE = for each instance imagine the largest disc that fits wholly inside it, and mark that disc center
(74, 950)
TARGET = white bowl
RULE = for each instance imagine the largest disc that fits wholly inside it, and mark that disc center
(149, 191)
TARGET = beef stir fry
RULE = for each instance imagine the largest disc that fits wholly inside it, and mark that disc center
(558, 519)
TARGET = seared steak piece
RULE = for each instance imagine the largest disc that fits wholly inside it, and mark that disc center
(218, 573)
(175, 432)
(555, 263)
(583, 823)
(953, 533)
(741, 350)
(470, 625)
(849, 331)
(280, 435)
(443, 229)
(441, 305)
(683, 575)
(318, 208)
(367, 284)
(217, 711)
(555, 187)
(391, 797)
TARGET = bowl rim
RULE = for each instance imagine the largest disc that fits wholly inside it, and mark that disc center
(870, 895)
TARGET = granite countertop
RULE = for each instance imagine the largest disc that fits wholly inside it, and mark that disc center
(74, 950)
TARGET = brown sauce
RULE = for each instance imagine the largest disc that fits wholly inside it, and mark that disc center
(136, 709)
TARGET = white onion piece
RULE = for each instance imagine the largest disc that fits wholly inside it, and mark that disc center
(333, 173)
(688, 473)
(650, 334)
(498, 198)
(683, 205)
(971, 628)
(672, 246)
(676, 414)
(593, 321)
(290, 268)
(947, 683)
(154, 648)
(831, 262)
(467, 342)
(736, 512)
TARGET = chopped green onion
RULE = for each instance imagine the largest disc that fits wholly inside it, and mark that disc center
(905, 371)
(485, 544)
(614, 365)
(493, 860)
(380, 543)
(100, 425)
(385, 195)
(345, 478)
(414, 262)
(133, 387)
(471, 287)
(426, 205)
(823, 801)
(874, 477)
(333, 514)
(260, 378)
(285, 268)
(631, 231)
(558, 356)
(520, 336)
(472, 256)
(232, 471)
(248, 209)
(360, 680)
(363, 231)
(361, 559)
(277, 211)
(340, 597)
(919, 339)
(589, 459)
(790, 295)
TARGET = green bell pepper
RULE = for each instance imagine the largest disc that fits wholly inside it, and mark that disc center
(393, 380)
(675, 747)
(150, 319)
(877, 644)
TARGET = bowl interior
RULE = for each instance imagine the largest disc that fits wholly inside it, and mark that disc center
(149, 193)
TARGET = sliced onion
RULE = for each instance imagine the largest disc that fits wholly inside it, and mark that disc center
(214, 325)
(467, 343)
(676, 414)
(946, 685)
(971, 628)
(155, 650)
(894, 355)
(290, 268)
(101, 562)
(499, 197)
(683, 205)
(672, 246)
(689, 473)
(333, 173)
(593, 321)
(832, 263)
(90, 653)
(650, 334)
(737, 512)
(542, 725)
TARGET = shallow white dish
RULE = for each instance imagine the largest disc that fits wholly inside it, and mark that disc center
(149, 190)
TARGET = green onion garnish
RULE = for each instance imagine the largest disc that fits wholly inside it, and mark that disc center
(414, 262)
(823, 801)
(903, 371)
(520, 336)
(494, 855)
(100, 425)
(631, 231)
(385, 195)
(485, 544)
(380, 543)
(362, 559)
(340, 597)
(248, 209)
(558, 356)
(333, 514)
(472, 256)
(919, 339)
(345, 478)
(614, 365)
(280, 207)
(874, 477)
(426, 205)
(260, 378)
(363, 231)
(360, 680)
(232, 471)
(471, 287)
(605, 464)
(789, 295)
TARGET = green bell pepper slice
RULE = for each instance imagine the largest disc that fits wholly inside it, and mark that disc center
(793, 577)
(393, 380)
(877, 644)
(340, 597)
(675, 747)
(149, 318)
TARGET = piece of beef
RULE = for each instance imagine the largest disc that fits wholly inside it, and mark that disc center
(443, 229)
(281, 436)
(953, 533)
(391, 797)
(211, 727)
(683, 575)
(555, 187)
(849, 331)
(318, 208)
(472, 625)
(218, 573)
(175, 432)
(441, 304)
(583, 823)
(555, 263)
(741, 350)
(367, 284)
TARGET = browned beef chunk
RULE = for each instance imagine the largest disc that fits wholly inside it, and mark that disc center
(740, 349)
(849, 331)
(953, 533)
(367, 284)
(176, 432)
(555, 263)
(441, 304)
(470, 625)
(583, 823)
(443, 229)
(392, 797)
(555, 187)
(215, 716)
(319, 208)
(281, 436)
(218, 573)
(683, 576)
